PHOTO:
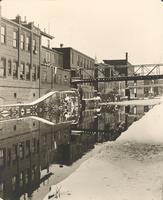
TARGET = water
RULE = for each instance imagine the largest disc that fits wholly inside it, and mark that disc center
(35, 155)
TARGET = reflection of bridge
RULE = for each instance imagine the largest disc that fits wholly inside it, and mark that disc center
(109, 134)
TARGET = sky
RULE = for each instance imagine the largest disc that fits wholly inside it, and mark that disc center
(102, 28)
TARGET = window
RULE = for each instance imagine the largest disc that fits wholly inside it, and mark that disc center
(33, 145)
(27, 71)
(3, 67)
(1, 188)
(32, 174)
(15, 38)
(77, 60)
(47, 57)
(22, 42)
(87, 64)
(1, 157)
(13, 182)
(3, 36)
(21, 179)
(22, 71)
(14, 125)
(72, 58)
(38, 72)
(34, 73)
(48, 43)
(59, 79)
(15, 70)
(9, 156)
(9, 68)
(34, 45)
(44, 139)
(84, 62)
(21, 150)
(27, 44)
(14, 152)
(26, 178)
(44, 76)
(27, 148)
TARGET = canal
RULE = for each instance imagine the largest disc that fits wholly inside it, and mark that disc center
(35, 155)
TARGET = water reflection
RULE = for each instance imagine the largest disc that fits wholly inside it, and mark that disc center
(28, 147)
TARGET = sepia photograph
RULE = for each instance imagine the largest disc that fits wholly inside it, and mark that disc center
(81, 100)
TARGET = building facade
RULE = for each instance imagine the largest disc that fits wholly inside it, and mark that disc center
(122, 67)
(29, 68)
(81, 66)
(19, 61)
(52, 73)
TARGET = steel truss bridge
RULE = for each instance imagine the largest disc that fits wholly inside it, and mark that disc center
(141, 72)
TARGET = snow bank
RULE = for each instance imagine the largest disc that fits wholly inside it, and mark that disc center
(130, 168)
(148, 129)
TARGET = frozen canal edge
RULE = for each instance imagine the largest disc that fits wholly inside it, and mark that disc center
(129, 168)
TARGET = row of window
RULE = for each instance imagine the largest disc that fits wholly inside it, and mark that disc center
(53, 58)
(81, 61)
(25, 42)
(21, 150)
(20, 180)
(24, 72)
(24, 178)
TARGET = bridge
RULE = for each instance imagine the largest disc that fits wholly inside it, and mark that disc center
(119, 78)
(140, 72)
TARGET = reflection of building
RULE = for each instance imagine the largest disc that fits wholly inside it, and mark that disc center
(81, 66)
(19, 160)
(79, 144)
(27, 148)
(134, 113)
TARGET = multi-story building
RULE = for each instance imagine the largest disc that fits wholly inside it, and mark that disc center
(81, 66)
(108, 90)
(53, 75)
(123, 68)
(19, 61)
(29, 68)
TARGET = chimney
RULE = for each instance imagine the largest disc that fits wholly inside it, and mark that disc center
(61, 45)
(126, 56)
(18, 19)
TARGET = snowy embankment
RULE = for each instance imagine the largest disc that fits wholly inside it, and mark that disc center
(130, 168)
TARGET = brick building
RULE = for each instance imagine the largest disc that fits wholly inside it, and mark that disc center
(29, 68)
(53, 75)
(81, 66)
(19, 61)
(123, 67)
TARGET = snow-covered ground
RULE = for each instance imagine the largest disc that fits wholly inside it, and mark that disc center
(131, 168)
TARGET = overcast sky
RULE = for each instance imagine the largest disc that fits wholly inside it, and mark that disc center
(105, 28)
